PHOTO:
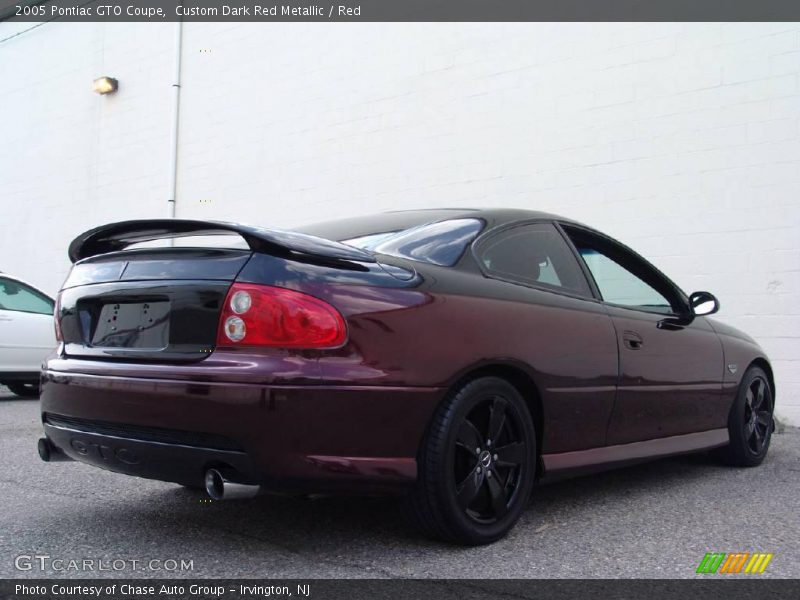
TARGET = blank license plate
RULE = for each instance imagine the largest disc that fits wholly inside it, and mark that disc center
(133, 325)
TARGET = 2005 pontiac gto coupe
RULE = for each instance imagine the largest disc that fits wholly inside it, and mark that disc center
(453, 356)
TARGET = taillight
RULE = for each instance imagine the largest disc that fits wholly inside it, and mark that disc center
(57, 319)
(262, 315)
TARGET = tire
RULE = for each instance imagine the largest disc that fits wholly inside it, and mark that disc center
(24, 390)
(750, 423)
(471, 490)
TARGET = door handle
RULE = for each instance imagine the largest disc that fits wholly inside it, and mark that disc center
(632, 340)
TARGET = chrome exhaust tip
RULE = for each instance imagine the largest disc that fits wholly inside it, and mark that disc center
(49, 453)
(219, 486)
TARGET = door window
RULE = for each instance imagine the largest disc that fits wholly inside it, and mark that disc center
(533, 254)
(623, 278)
(618, 285)
(20, 297)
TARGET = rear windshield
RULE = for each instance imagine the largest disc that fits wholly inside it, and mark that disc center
(440, 243)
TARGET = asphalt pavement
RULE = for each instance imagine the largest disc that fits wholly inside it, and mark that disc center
(652, 521)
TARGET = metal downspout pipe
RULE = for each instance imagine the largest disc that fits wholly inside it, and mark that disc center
(176, 102)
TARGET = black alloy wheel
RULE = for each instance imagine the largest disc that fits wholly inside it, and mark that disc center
(487, 466)
(757, 415)
(750, 423)
(477, 464)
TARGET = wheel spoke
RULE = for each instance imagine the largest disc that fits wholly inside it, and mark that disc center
(759, 440)
(749, 428)
(511, 455)
(469, 437)
(748, 398)
(497, 495)
(764, 419)
(759, 394)
(497, 418)
(468, 489)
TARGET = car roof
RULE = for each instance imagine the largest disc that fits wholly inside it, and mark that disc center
(396, 220)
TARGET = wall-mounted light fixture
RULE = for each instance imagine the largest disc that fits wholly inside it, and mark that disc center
(105, 85)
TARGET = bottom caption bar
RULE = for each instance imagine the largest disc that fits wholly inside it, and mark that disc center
(355, 589)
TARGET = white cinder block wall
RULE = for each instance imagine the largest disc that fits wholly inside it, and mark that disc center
(682, 140)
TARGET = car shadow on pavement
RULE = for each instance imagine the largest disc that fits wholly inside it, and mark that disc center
(296, 522)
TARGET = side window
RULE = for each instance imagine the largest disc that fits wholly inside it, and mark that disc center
(623, 278)
(19, 297)
(533, 254)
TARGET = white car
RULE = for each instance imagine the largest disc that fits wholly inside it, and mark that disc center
(27, 334)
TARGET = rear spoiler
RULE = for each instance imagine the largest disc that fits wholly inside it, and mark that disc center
(118, 236)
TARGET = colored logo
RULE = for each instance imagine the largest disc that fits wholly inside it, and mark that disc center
(736, 562)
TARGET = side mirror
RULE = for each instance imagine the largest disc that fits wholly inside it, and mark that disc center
(703, 303)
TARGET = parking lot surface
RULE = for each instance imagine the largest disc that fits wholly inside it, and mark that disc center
(655, 520)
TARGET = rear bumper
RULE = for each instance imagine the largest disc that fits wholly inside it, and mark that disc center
(283, 437)
(146, 458)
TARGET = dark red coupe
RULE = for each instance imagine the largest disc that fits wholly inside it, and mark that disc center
(452, 356)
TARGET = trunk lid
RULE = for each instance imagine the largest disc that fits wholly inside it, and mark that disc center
(154, 304)
(164, 304)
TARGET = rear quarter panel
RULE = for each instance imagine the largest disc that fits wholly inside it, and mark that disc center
(453, 323)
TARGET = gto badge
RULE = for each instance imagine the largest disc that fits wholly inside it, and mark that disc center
(733, 367)
(123, 455)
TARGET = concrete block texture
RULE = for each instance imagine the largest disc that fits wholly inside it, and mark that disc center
(680, 139)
